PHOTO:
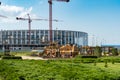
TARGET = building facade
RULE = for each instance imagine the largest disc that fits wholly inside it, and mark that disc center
(40, 38)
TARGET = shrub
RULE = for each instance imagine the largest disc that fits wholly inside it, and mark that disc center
(113, 62)
(98, 51)
(1, 55)
(85, 59)
(11, 57)
(88, 60)
(94, 63)
(109, 59)
(106, 65)
(78, 56)
(89, 57)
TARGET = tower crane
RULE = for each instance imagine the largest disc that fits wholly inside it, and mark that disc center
(29, 23)
(50, 16)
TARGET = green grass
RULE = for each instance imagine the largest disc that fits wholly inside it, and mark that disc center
(111, 67)
(18, 53)
(57, 70)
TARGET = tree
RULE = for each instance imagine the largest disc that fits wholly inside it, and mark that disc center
(114, 51)
(98, 51)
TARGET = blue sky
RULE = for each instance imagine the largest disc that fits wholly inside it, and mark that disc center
(99, 18)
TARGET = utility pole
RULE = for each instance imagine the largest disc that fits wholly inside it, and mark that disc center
(50, 16)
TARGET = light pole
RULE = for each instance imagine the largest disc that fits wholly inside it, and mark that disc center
(50, 16)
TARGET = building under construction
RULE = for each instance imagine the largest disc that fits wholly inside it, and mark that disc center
(20, 39)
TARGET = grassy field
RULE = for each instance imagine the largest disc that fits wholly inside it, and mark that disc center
(17, 53)
(57, 70)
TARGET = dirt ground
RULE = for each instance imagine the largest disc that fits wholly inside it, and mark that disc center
(34, 58)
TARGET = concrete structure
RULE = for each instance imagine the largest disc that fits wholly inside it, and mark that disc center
(19, 39)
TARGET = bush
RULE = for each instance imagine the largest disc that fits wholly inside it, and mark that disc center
(1, 54)
(88, 60)
(11, 57)
(109, 59)
(89, 57)
(55, 70)
(85, 59)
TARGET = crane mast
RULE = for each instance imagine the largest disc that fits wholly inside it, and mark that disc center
(29, 24)
(50, 16)
(50, 20)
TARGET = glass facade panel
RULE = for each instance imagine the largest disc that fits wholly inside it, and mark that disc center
(37, 36)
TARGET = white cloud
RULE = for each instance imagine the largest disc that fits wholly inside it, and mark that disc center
(8, 20)
(14, 11)
(25, 12)
(7, 8)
